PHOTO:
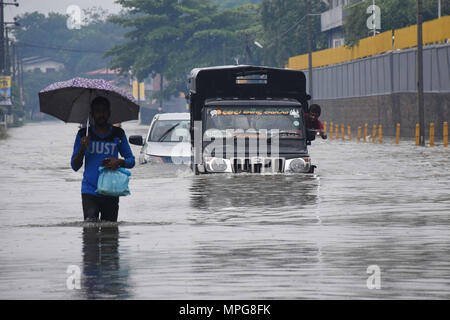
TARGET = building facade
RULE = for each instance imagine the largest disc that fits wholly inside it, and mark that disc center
(332, 21)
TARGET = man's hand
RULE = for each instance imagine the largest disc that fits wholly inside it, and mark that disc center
(113, 163)
(84, 143)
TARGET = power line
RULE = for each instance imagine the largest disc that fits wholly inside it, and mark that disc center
(33, 45)
(271, 42)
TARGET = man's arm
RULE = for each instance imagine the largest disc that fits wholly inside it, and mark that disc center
(79, 149)
(125, 151)
(322, 132)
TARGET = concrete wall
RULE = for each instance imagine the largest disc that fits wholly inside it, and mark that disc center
(388, 110)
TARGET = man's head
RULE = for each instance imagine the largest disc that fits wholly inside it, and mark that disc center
(314, 111)
(100, 110)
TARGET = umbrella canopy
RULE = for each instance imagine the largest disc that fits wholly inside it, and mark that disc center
(70, 100)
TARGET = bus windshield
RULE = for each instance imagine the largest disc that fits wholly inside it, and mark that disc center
(226, 121)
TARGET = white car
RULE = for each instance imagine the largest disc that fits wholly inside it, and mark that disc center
(167, 141)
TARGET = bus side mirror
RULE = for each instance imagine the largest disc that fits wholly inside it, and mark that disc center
(137, 140)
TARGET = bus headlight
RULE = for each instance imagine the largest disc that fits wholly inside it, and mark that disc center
(217, 164)
(297, 165)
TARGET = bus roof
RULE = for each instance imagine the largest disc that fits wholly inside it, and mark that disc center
(245, 82)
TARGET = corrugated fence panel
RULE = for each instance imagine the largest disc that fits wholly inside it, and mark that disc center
(436, 31)
(405, 38)
(359, 82)
(443, 55)
(412, 71)
(435, 83)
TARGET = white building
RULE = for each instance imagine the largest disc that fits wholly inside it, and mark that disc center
(332, 21)
(43, 63)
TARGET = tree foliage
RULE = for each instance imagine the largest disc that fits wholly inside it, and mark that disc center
(80, 50)
(171, 37)
(228, 4)
(285, 32)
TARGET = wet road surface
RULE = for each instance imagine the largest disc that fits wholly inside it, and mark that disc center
(182, 236)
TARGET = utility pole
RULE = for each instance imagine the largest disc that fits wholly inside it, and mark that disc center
(308, 22)
(2, 34)
(7, 53)
(224, 47)
(439, 8)
(161, 84)
(374, 18)
(20, 76)
(420, 97)
(2, 39)
(13, 61)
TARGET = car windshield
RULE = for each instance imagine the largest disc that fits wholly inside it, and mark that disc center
(232, 121)
(170, 131)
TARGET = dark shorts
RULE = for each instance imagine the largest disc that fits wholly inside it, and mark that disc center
(93, 206)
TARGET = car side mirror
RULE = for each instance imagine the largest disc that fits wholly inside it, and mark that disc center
(137, 140)
(311, 134)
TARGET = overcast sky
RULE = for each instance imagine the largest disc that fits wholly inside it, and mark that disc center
(60, 6)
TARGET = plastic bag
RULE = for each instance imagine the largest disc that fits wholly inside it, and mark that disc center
(113, 182)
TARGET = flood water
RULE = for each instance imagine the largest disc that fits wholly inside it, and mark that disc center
(182, 236)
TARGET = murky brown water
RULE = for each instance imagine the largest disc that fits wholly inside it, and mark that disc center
(182, 236)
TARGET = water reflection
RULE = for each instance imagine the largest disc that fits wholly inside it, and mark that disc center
(215, 192)
(251, 255)
(103, 276)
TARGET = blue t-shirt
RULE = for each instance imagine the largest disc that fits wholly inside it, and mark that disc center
(100, 148)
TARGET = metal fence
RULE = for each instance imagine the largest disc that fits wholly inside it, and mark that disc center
(393, 72)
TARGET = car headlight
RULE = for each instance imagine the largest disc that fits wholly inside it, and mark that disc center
(217, 164)
(152, 159)
(298, 165)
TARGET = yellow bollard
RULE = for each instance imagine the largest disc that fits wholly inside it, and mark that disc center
(431, 134)
(349, 133)
(365, 132)
(325, 127)
(380, 133)
(331, 130)
(445, 134)
(342, 132)
(336, 134)
(359, 133)
(397, 134)
(417, 134)
(374, 133)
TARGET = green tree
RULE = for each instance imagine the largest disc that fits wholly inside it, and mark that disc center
(285, 29)
(171, 37)
(228, 4)
(80, 50)
(395, 14)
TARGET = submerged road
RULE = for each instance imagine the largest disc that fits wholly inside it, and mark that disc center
(180, 236)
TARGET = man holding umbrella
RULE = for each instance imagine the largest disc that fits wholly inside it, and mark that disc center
(100, 148)
(80, 100)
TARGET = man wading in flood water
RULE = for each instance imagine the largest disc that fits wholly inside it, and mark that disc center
(100, 148)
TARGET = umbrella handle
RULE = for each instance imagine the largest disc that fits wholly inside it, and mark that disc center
(87, 127)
